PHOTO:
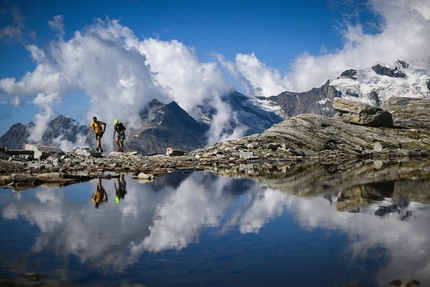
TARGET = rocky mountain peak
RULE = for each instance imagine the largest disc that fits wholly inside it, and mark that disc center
(385, 71)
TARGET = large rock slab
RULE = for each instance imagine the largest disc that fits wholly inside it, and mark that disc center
(360, 113)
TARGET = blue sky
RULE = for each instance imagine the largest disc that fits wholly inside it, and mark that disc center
(109, 58)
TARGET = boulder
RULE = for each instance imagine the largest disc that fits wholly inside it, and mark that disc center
(355, 112)
(43, 152)
(86, 152)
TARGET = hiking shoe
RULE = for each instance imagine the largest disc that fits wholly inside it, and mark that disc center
(97, 149)
(101, 150)
(118, 150)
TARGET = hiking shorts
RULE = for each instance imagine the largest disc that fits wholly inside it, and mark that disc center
(99, 135)
(120, 136)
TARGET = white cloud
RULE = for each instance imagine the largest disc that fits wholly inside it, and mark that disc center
(57, 24)
(118, 72)
(404, 35)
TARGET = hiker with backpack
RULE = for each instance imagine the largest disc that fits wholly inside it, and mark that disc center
(120, 129)
(97, 127)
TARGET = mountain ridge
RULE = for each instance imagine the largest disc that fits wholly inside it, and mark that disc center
(168, 125)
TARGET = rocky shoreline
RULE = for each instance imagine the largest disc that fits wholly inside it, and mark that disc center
(356, 132)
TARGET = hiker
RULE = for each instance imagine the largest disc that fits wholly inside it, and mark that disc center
(120, 191)
(120, 129)
(97, 127)
(100, 196)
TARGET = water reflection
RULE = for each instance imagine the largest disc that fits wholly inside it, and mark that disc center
(386, 225)
(100, 196)
(121, 190)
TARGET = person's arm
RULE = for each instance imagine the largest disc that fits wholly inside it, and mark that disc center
(104, 129)
(114, 131)
(91, 127)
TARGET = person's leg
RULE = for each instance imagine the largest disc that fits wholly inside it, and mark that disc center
(99, 143)
(117, 143)
(122, 145)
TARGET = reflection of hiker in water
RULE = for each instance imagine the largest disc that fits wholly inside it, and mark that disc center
(100, 196)
(120, 192)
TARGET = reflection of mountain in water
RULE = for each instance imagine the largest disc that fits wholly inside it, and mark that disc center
(351, 184)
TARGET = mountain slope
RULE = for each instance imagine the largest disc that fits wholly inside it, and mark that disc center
(166, 126)
(15, 137)
(245, 114)
(316, 101)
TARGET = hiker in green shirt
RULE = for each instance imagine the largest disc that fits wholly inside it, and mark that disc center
(119, 128)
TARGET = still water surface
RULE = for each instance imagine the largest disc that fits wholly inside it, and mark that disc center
(200, 229)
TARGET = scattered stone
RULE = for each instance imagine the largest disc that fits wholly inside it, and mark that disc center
(377, 147)
(247, 155)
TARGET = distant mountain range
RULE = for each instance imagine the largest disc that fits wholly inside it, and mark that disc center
(168, 125)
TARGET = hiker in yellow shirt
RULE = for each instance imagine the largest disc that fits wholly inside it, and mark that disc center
(100, 196)
(97, 127)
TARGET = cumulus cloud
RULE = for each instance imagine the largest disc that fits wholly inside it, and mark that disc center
(404, 34)
(118, 72)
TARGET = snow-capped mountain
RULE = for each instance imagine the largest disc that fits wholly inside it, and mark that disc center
(372, 86)
(377, 84)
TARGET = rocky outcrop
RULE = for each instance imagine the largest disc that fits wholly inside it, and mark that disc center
(349, 74)
(355, 112)
(304, 138)
(384, 71)
(316, 101)
(409, 113)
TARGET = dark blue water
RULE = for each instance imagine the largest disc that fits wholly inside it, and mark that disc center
(200, 229)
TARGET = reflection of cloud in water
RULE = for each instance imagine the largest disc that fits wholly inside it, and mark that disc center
(116, 235)
(406, 242)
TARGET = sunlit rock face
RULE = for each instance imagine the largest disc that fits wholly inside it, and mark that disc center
(316, 101)
(362, 114)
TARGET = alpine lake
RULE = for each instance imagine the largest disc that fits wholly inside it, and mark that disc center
(362, 223)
